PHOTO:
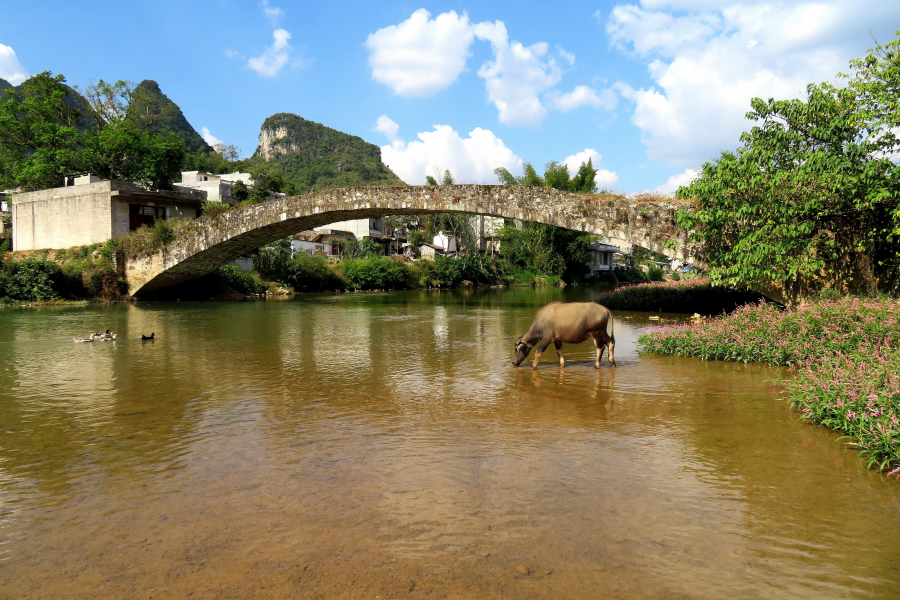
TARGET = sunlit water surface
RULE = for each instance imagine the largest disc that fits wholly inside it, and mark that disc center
(381, 445)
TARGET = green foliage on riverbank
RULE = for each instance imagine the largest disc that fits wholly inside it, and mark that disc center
(844, 352)
(73, 274)
(691, 296)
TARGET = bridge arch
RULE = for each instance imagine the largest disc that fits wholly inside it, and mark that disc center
(201, 246)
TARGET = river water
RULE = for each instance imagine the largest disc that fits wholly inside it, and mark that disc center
(382, 446)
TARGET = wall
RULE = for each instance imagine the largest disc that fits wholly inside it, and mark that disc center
(62, 217)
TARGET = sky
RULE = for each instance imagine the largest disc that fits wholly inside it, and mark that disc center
(649, 91)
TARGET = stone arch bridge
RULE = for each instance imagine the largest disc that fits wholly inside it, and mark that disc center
(201, 246)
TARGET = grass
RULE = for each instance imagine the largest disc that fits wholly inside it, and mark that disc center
(844, 352)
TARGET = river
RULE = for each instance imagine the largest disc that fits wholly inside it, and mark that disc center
(381, 445)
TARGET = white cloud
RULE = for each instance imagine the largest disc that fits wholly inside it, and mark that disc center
(230, 53)
(676, 181)
(421, 56)
(273, 13)
(708, 64)
(388, 127)
(273, 59)
(603, 178)
(471, 160)
(582, 95)
(517, 76)
(210, 138)
(10, 68)
(566, 56)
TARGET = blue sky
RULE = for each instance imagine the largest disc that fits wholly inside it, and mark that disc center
(649, 90)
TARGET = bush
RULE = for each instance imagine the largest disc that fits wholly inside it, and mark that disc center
(375, 273)
(239, 281)
(32, 279)
(212, 209)
(310, 273)
(695, 296)
(656, 274)
(162, 233)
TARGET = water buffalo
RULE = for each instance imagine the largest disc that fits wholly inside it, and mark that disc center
(569, 322)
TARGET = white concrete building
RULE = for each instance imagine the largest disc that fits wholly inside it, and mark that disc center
(446, 242)
(372, 227)
(90, 210)
(601, 257)
(216, 188)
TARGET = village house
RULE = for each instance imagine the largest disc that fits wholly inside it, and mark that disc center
(601, 258)
(90, 210)
(218, 188)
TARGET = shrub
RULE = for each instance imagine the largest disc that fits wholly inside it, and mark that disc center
(376, 272)
(694, 296)
(162, 233)
(656, 274)
(310, 273)
(239, 281)
(32, 279)
(212, 209)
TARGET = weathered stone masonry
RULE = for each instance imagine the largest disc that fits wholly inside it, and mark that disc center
(202, 246)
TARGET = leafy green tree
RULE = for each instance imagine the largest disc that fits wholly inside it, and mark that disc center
(40, 137)
(240, 191)
(48, 131)
(813, 189)
(429, 180)
(267, 180)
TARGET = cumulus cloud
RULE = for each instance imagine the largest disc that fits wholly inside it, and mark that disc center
(603, 178)
(582, 95)
(388, 127)
(676, 181)
(10, 68)
(421, 56)
(471, 159)
(273, 59)
(517, 76)
(209, 137)
(708, 63)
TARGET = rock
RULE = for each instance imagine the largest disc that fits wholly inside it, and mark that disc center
(523, 569)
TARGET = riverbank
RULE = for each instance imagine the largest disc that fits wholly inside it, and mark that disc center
(844, 353)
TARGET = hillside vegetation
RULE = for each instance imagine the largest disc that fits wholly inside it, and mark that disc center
(313, 156)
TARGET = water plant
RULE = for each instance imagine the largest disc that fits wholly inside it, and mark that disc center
(844, 354)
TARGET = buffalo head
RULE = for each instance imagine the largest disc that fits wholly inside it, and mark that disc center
(521, 349)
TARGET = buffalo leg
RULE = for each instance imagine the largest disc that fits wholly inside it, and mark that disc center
(562, 361)
(537, 354)
(600, 348)
(612, 361)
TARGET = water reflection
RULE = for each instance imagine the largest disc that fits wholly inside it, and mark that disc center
(382, 443)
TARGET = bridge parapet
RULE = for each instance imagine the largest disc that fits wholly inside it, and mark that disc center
(201, 246)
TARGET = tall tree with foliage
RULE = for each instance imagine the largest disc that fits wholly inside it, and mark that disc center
(813, 189)
(545, 249)
(48, 131)
(40, 137)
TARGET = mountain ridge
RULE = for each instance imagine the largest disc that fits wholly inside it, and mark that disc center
(313, 156)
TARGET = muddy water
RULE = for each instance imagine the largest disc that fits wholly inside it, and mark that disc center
(381, 445)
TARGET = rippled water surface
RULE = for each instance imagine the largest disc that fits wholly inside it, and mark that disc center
(381, 445)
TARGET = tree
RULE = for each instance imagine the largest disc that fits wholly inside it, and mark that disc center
(240, 191)
(812, 192)
(267, 180)
(118, 143)
(47, 131)
(40, 138)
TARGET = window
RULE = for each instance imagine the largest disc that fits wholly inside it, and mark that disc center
(140, 215)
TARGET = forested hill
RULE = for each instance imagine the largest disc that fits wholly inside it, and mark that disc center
(313, 156)
(173, 119)
(4, 84)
